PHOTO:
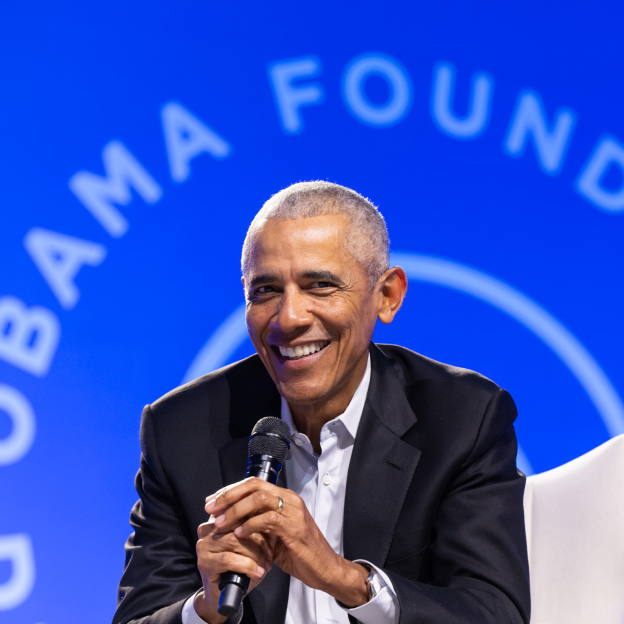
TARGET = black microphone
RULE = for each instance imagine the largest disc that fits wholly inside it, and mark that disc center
(268, 447)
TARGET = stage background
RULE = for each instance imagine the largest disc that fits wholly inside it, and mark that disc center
(490, 137)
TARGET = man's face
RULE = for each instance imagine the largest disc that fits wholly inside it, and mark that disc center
(305, 294)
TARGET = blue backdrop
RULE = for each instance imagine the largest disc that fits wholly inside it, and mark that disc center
(138, 141)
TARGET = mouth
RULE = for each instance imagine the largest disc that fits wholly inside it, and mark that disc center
(301, 351)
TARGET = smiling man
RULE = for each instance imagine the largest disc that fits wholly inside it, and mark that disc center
(400, 502)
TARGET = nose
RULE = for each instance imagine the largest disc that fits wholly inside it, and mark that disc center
(293, 313)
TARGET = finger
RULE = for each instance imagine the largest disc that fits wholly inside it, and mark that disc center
(257, 502)
(264, 542)
(210, 500)
(228, 542)
(205, 529)
(272, 544)
(271, 522)
(214, 564)
(236, 492)
(254, 582)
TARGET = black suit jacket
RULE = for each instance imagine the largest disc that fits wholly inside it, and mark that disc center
(433, 495)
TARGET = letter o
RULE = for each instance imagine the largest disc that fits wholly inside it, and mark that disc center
(389, 113)
(17, 549)
(22, 436)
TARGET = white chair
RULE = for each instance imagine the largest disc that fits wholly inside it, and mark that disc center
(574, 518)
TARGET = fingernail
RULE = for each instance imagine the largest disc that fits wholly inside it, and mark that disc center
(220, 519)
(238, 531)
(260, 570)
(210, 504)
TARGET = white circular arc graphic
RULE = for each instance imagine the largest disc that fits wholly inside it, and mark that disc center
(232, 332)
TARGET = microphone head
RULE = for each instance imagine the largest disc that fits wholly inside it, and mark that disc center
(270, 436)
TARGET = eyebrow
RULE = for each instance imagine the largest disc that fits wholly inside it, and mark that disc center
(325, 276)
(262, 279)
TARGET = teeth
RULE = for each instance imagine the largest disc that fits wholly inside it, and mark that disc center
(301, 351)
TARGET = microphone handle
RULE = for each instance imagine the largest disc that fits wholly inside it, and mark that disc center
(233, 585)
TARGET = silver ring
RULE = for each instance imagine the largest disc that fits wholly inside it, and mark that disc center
(280, 504)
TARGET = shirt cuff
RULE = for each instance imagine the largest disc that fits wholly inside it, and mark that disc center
(189, 615)
(383, 608)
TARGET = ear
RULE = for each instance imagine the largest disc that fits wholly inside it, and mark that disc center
(393, 289)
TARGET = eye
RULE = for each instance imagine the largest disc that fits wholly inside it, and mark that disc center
(265, 289)
(322, 285)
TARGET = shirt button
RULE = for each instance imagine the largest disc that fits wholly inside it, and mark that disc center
(326, 479)
(298, 442)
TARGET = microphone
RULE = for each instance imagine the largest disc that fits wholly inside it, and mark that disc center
(268, 447)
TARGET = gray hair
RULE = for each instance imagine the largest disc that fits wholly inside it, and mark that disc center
(370, 247)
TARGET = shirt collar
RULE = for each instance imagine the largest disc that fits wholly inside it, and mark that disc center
(350, 418)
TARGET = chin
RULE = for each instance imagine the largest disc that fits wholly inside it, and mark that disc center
(301, 395)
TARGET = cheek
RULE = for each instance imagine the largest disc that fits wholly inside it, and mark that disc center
(356, 329)
(352, 318)
(255, 326)
(257, 343)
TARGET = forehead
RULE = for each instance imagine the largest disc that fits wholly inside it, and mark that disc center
(304, 241)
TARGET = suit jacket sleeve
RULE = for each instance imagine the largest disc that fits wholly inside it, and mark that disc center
(161, 568)
(479, 565)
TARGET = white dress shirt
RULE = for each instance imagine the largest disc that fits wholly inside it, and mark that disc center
(321, 481)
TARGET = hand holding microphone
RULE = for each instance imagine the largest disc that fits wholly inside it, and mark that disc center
(225, 561)
(266, 524)
(219, 552)
(268, 448)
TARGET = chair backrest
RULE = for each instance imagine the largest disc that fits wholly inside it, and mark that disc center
(574, 518)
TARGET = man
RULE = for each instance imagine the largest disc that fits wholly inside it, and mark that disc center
(401, 501)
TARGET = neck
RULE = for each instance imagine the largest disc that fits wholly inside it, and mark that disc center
(310, 419)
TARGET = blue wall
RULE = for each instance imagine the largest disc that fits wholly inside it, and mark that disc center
(138, 141)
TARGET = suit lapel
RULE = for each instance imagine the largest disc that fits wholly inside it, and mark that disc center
(382, 465)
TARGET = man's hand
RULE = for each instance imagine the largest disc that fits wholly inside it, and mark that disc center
(220, 550)
(298, 547)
